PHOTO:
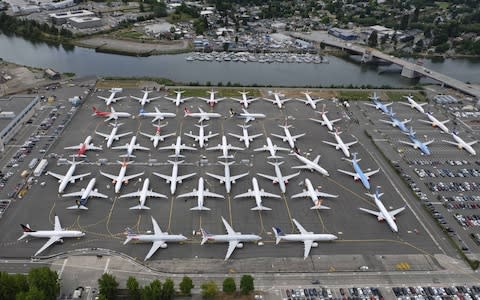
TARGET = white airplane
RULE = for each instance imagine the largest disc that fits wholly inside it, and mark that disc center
(130, 147)
(383, 213)
(84, 194)
(227, 178)
(202, 115)
(257, 193)
(270, 147)
(211, 100)
(309, 101)
(157, 137)
(174, 178)
(112, 136)
(233, 238)
(144, 99)
(277, 101)
(245, 101)
(325, 121)
(359, 174)
(157, 115)
(245, 137)
(177, 147)
(247, 115)
(55, 235)
(378, 104)
(178, 99)
(64, 180)
(288, 137)
(414, 104)
(313, 194)
(279, 178)
(143, 194)
(461, 144)
(201, 193)
(201, 138)
(112, 99)
(110, 115)
(84, 147)
(309, 239)
(159, 238)
(121, 178)
(340, 144)
(310, 164)
(225, 147)
(435, 122)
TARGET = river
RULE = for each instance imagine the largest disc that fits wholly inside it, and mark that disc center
(340, 71)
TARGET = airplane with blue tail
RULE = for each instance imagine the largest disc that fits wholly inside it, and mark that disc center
(359, 174)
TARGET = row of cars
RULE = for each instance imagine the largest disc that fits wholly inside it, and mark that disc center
(444, 172)
(467, 221)
(453, 186)
(342, 293)
(436, 162)
(453, 292)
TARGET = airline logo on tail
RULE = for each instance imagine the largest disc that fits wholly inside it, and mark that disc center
(187, 111)
(278, 234)
(205, 236)
(26, 228)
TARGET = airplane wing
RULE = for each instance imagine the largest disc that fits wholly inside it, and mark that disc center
(219, 177)
(266, 194)
(301, 195)
(300, 227)
(235, 148)
(196, 137)
(388, 104)
(93, 147)
(270, 100)
(231, 246)
(166, 177)
(120, 147)
(138, 147)
(112, 177)
(285, 100)
(253, 136)
(173, 99)
(102, 134)
(395, 212)
(294, 137)
(74, 194)
(284, 138)
(183, 177)
(351, 143)
(240, 137)
(57, 226)
(50, 241)
(372, 212)
(286, 178)
(425, 121)
(155, 246)
(211, 135)
(187, 195)
(172, 147)
(245, 195)
(213, 195)
(407, 143)
(76, 177)
(156, 228)
(103, 98)
(264, 148)
(72, 147)
(368, 174)
(219, 147)
(97, 194)
(330, 143)
(153, 194)
(182, 147)
(472, 143)
(355, 175)
(229, 228)
(325, 195)
(147, 135)
(134, 194)
(335, 121)
(129, 177)
(307, 247)
(385, 121)
(428, 143)
(58, 176)
(236, 177)
(274, 179)
(117, 136)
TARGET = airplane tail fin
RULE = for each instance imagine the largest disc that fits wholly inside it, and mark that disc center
(275, 157)
(200, 208)
(186, 111)
(80, 204)
(176, 155)
(139, 207)
(226, 157)
(261, 207)
(277, 163)
(278, 234)
(26, 230)
(205, 236)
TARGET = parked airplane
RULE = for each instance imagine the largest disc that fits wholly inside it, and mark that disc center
(110, 115)
(84, 147)
(227, 178)
(378, 104)
(340, 144)
(396, 122)
(202, 115)
(279, 178)
(130, 147)
(270, 147)
(309, 101)
(143, 194)
(245, 137)
(144, 99)
(416, 143)
(224, 147)
(234, 239)
(325, 121)
(174, 178)
(245, 101)
(247, 115)
(414, 104)
(159, 238)
(201, 138)
(157, 137)
(55, 235)
(64, 180)
(383, 214)
(359, 174)
(211, 100)
(113, 136)
(313, 194)
(277, 101)
(178, 99)
(121, 178)
(200, 194)
(257, 193)
(288, 137)
(435, 122)
(310, 164)
(84, 194)
(112, 99)
(461, 144)
(177, 147)
(308, 238)
(157, 115)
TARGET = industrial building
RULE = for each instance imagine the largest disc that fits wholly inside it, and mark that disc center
(343, 34)
(63, 17)
(85, 22)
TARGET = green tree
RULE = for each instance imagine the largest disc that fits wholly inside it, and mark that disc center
(229, 285)
(168, 290)
(32, 294)
(108, 286)
(209, 289)
(373, 39)
(186, 285)
(44, 280)
(133, 289)
(141, 7)
(156, 287)
(246, 284)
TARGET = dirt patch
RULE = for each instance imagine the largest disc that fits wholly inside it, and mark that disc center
(19, 78)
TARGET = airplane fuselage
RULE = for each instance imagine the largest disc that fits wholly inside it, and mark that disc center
(437, 123)
(234, 237)
(308, 237)
(164, 237)
(143, 194)
(88, 189)
(271, 147)
(311, 102)
(50, 233)
(327, 122)
(201, 136)
(119, 180)
(342, 146)
(312, 165)
(386, 215)
(173, 182)
(419, 145)
(280, 180)
(131, 146)
(289, 138)
(228, 181)
(463, 145)
(246, 138)
(66, 179)
(415, 105)
(256, 190)
(244, 100)
(361, 176)
(111, 136)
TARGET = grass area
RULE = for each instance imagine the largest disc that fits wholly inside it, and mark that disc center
(110, 82)
(175, 18)
(222, 92)
(353, 95)
(443, 5)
